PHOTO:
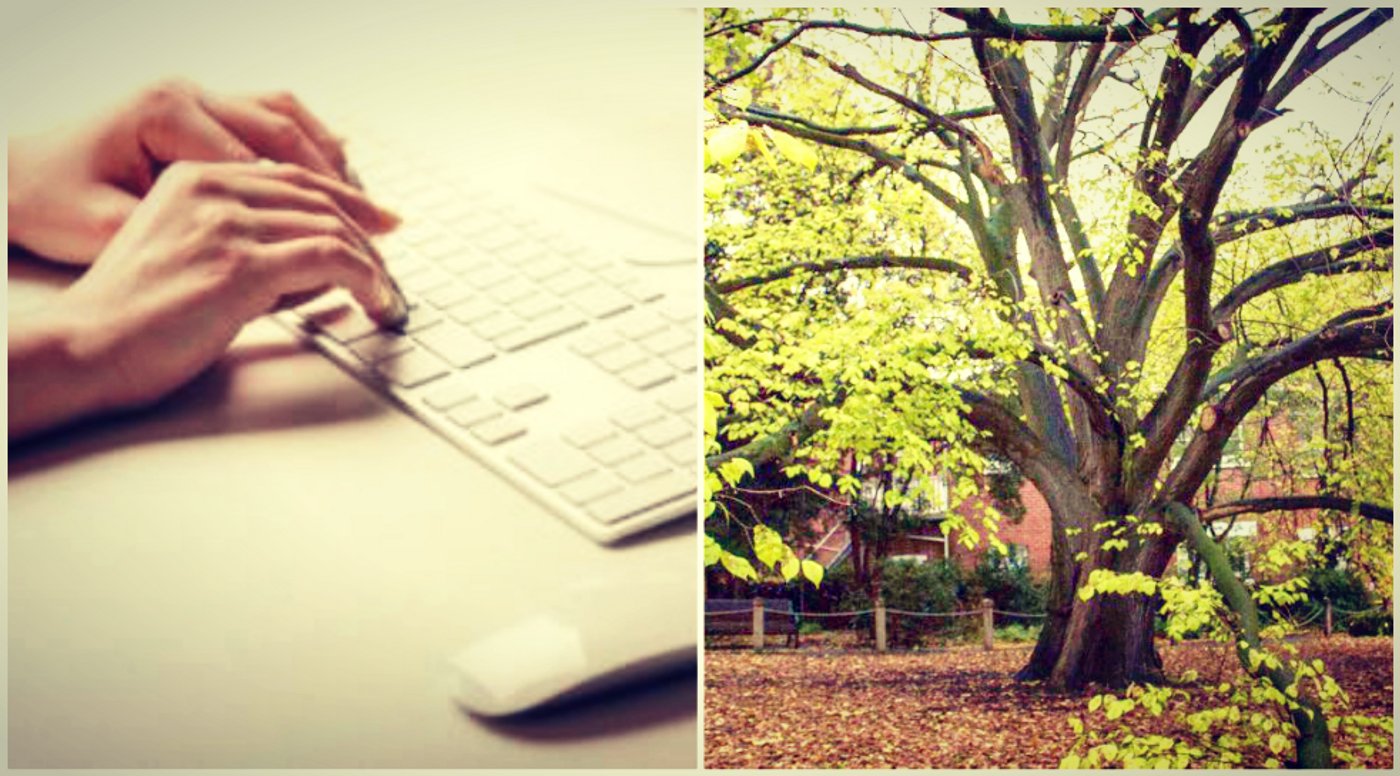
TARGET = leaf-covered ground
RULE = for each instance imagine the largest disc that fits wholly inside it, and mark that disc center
(821, 707)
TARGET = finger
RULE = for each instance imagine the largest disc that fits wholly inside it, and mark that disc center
(287, 186)
(330, 146)
(270, 226)
(311, 264)
(269, 133)
(178, 129)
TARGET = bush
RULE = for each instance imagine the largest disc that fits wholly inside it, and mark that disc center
(1007, 583)
(1377, 623)
(1017, 632)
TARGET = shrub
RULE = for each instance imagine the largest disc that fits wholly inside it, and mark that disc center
(1007, 583)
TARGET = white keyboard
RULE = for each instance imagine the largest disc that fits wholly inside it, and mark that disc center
(568, 372)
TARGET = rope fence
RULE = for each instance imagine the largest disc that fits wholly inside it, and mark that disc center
(760, 617)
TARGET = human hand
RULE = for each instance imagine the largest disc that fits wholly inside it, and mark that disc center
(70, 192)
(212, 246)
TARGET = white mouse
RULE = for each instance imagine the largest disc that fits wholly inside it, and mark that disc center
(598, 636)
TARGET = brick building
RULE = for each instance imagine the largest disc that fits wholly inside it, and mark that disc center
(1028, 539)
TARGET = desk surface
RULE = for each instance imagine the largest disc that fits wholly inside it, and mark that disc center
(268, 569)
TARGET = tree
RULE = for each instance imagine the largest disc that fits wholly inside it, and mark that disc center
(1036, 240)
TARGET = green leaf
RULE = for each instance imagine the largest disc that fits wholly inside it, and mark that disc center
(1095, 702)
(1277, 743)
(737, 566)
(1070, 763)
(712, 550)
(813, 571)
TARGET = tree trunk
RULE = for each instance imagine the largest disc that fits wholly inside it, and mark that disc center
(1107, 639)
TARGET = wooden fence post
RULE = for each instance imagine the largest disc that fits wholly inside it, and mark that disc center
(1327, 618)
(987, 624)
(881, 641)
(758, 623)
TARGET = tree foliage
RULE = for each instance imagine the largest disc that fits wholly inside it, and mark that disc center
(933, 239)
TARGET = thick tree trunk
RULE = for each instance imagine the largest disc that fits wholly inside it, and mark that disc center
(1107, 639)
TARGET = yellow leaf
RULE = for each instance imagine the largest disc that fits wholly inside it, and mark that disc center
(796, 150)
(714, 186)
(727, 142)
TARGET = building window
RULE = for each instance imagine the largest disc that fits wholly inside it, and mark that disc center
(1018, 556)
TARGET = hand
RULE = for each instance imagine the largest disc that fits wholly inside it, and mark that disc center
(212, 246)
(70, 192)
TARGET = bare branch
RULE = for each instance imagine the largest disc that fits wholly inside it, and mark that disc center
(847, 263)
(1246, 506)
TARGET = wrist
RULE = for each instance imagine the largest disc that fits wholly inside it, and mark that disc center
(58, 371)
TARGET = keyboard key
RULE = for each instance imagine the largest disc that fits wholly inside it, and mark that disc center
(637, 498)
(638, 324)
(444, 296)
(602, 301)
(343, 323)
(486, 276)
(683, 359)
(642, 468)
(552, 462)
(569, 282)
(590, 487)
(421, 318)
(380, 345)
(589, 433)
(513, 290)
(665, 431)
(449, 393)
(498, 430)
(616, 359)
(648, 374)
(546, 267)
(543, 328)
(642, 290)
(537, 306)
(681, 453)
(594, 341)
(472, 310)
(679, 397)
(421, 282)
(412, 369)
(668, 339)
(472, 412)
(456, 345)
(518, 397)
(495, 326)
(615, 450)
(636, 416)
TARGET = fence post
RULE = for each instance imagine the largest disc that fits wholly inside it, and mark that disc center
(1327, 618)
(881, 641)
(758, 623)
(987, 624)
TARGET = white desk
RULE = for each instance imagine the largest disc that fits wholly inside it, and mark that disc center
(268, 569)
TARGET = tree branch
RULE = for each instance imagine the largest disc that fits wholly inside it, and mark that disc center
(1368, 338)
(848, 263)
(1246, 506)
(778, 444)
(1323, 261)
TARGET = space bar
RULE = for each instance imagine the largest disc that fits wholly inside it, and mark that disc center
(653, 492)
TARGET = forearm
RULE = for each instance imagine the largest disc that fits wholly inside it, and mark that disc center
(54, 379)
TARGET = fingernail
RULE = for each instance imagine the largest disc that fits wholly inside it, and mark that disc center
(392, 305)
(390, 218)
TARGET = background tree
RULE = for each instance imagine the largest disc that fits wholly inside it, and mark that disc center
(1035, 239)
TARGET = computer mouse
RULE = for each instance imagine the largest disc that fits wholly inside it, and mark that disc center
(597, 636)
